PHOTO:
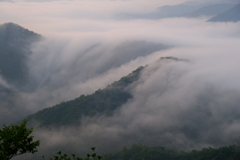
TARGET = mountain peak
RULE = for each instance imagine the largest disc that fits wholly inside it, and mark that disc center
(11, 29)
(15, 42)
(9, 24)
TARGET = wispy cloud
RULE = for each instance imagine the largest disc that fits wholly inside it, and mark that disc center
(175, 104)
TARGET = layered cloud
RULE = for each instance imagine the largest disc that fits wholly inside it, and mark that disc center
(176, 104)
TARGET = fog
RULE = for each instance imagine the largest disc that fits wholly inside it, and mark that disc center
(176, 104)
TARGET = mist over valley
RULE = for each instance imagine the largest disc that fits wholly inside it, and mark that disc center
(111, 74)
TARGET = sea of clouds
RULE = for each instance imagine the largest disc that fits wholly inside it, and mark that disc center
(175, 104)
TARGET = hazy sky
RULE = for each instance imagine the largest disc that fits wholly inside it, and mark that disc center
(72, 16)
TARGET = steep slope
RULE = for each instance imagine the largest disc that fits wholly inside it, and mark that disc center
(231, 15)
(14, 49)
(100, 102)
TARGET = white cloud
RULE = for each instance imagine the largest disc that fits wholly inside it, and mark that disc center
(172, 99)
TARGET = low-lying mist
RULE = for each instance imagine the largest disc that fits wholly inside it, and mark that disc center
(176, 104)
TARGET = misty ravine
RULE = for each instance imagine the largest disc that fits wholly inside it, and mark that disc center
(110, 74)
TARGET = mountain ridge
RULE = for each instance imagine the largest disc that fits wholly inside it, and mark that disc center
(210, 10)
(231, 15)
(15, 42)
(101, 102)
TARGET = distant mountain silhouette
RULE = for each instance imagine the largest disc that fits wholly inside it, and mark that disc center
(178, 10)
(210, 10)
(14, 49)
(231, 15)
(187, 9)
(166, 11)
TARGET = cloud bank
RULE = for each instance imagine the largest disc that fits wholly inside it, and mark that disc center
(178, 105)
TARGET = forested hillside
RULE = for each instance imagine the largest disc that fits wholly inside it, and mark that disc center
(77, 81)
(103, 101)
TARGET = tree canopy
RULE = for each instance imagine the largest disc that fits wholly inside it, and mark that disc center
(103, 101)
(16, 140)
(140, 152)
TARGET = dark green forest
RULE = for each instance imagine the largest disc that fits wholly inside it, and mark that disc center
(103, 101)
(14, 49)
(141, 152)
(16, 140)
